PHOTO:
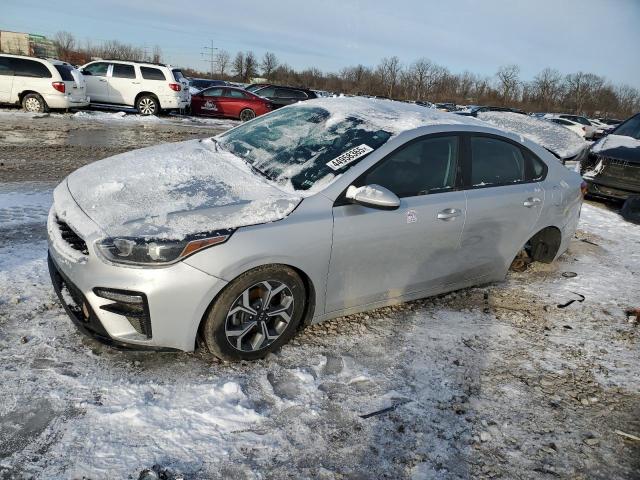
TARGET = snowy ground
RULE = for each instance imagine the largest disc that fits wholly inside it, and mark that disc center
(496, 381)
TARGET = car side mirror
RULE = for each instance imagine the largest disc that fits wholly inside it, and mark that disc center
(84, 72)
(373, 196)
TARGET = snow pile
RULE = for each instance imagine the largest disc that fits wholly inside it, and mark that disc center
(169, 191)
(114, 116)
(562, 141)
(615, 141)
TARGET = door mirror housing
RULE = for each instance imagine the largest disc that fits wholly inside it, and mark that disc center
(373, 196)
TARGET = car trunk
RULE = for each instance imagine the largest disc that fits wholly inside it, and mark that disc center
(74, 83)
(184, 94)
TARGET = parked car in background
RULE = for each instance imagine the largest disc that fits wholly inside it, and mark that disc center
(612, 169)
(584, 121)
(474, 110)
(290, 219)
(571, 125)
(197, 84)
(40, 84)
(446, 107)
(150, 88)
(602, 128)
(279, 95)
(610, 121)
(230, 102)
(565, 145)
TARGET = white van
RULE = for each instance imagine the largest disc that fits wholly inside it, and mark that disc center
(148, 87)
(40, 84)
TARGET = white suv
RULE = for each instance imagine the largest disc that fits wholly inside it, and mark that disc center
(40, 84)
(149, 87)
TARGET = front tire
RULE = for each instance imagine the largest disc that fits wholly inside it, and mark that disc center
(247, 114)
(148, 105)
(34, 103)
(255, 314)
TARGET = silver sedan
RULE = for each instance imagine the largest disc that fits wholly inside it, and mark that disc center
(317, 210)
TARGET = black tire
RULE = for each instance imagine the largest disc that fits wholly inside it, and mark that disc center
(247, 114)
(147, 105)
(33, 102)
(219, 324)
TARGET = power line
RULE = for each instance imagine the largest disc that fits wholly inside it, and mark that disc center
(210, 51)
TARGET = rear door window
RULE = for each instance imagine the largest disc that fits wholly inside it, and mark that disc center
(96, 69)
(150, 73)
(65, 72)
(29, 68)
(234, 93)
(121, 70)
(265, 92)
(212, 92)
(5, 67)
(428, 165)
(496, 162)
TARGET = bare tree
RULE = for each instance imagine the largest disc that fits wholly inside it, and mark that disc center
(389, 70)
(222, 59)
(65, 44)
(238, 66)
(269, 64)
(547, 88)
(509, 79)
(250, 66)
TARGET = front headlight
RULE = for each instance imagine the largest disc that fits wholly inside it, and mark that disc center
(155, 251)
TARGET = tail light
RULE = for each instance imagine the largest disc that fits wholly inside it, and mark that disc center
(59, 86)
(175, 87)
(584, 188)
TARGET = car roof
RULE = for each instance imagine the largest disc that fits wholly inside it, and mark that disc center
(27, 57)
(130, 62)
(389, 115)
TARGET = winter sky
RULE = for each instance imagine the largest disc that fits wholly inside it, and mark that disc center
(599, 36)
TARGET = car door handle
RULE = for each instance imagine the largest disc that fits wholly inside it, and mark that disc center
(102, 79)
(449, 214)
(136, 83)
(531, 202)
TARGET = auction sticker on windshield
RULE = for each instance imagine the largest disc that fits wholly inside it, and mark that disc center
(349, 156)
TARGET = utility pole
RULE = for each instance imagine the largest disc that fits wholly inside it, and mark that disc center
(210, 52)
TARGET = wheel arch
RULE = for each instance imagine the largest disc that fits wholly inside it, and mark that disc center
(544, 245)
(310, 294)
(24, 93)
(146, 93)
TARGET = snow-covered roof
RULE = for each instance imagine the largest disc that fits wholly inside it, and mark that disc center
(389, 115)
(560, 140)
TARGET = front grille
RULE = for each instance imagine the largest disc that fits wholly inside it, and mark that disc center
(71, 237)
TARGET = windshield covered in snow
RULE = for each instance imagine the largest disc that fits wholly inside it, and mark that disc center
(303, 146)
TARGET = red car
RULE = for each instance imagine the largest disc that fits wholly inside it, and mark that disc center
(230, 102)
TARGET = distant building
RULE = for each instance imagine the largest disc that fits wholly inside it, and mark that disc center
(31, 44)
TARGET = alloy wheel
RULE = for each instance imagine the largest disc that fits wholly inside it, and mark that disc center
(147, 106)
(32, 105)
(259, 316)
(247, 115)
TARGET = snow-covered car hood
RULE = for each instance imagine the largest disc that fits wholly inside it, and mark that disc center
(618, 146)
(173, 190)
(560, 140)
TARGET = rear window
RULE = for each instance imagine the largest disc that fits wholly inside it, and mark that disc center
(150, 73)
(121, 70)
(29, 68)
(177, 74)
(65, 72)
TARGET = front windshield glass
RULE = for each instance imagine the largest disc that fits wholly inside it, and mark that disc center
(303, 146)
(630, 128)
